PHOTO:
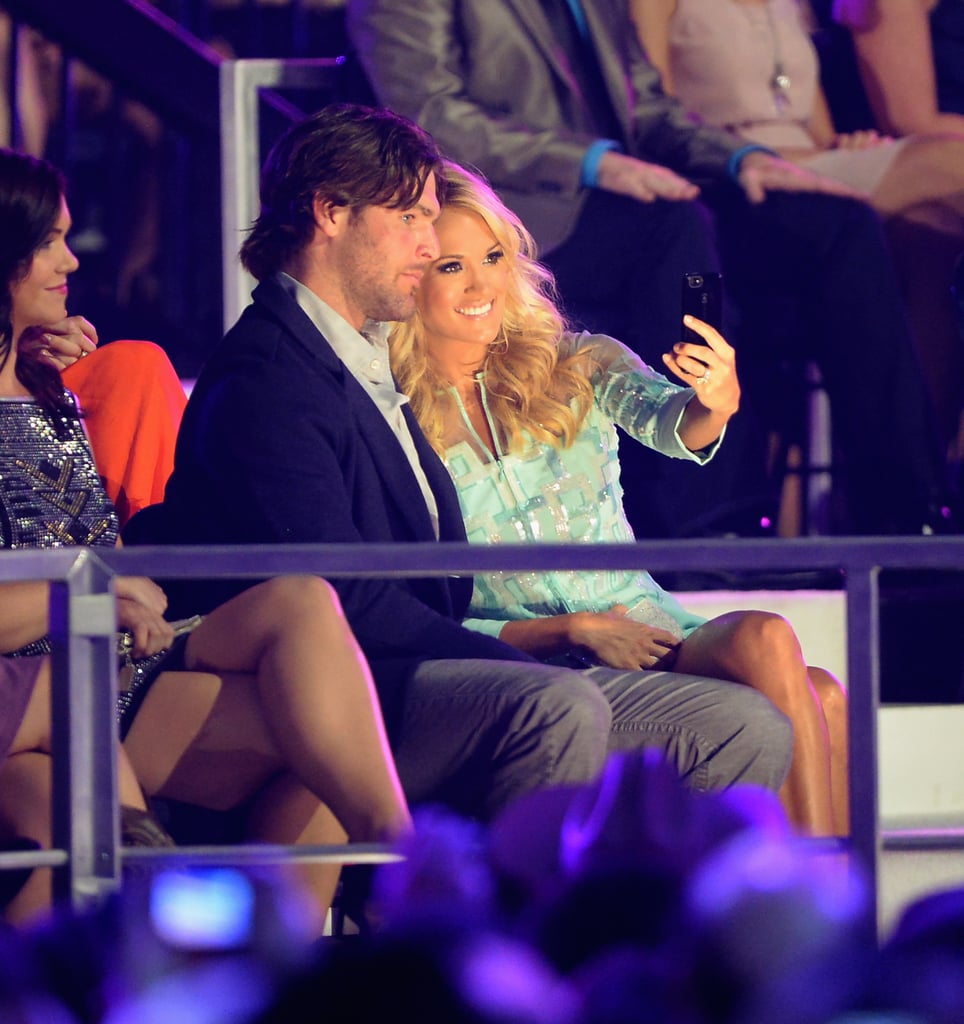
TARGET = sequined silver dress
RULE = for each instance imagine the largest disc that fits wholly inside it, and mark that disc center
(50, 496)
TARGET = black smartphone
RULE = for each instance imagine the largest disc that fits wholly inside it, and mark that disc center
(702, 298)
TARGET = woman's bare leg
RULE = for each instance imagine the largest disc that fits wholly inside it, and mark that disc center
(34, 735)
(25, 788)
(200, 738)
(278, 684)
(317, 696)
(285, 812)
(760, 649)
(930, 168)
(833, 701)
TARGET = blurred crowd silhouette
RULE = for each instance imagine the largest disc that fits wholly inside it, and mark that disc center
(630, 899)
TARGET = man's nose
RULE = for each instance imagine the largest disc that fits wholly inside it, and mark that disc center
(429, 246)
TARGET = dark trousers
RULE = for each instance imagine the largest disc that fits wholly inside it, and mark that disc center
(808, 277)
(814, 273)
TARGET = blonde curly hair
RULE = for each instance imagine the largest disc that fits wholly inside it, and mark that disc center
(530, 390)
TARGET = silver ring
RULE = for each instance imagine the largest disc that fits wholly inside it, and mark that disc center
(704, 378)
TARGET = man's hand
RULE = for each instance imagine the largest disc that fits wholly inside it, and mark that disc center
(761, 173)
(639, 180)
(64, 342)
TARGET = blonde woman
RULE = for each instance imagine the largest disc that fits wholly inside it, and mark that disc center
(524, 414)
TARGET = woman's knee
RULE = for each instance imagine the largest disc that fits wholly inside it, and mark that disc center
(762, 650)
(290, 597)
(830, 692)
(765, 630)
(761, 636)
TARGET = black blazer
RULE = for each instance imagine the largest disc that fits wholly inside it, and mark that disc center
(280, 444)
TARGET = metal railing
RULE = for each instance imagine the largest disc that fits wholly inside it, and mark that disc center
(86, 846)
(214, 110)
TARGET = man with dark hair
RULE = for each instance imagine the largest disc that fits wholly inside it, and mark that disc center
(295, 433)
(555, 102)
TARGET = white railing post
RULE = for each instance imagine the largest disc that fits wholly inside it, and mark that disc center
(83, 628)
(241, 82)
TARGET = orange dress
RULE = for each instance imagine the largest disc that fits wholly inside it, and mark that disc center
(132, 401)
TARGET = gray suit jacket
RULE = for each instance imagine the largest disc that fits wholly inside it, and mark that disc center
(488, 80)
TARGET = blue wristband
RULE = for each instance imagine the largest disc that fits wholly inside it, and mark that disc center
(736, 158)
(580, 15)
(590, 162)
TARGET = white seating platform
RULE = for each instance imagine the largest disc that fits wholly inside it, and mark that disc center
(921, 753)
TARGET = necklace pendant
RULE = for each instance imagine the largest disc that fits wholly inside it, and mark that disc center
(780, 82)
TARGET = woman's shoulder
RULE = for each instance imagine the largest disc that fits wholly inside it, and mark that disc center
(573, 342)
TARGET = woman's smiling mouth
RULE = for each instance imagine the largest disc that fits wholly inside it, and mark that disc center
(480, 310)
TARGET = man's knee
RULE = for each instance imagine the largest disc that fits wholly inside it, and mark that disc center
(761, 742)
(572, 720)
(477, 734)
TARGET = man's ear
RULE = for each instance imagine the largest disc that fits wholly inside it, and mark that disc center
(330, 217)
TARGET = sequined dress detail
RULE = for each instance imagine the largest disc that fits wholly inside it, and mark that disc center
(50, 493)
(544, 494)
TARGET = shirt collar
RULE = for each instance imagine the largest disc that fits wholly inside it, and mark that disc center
(364, 352)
